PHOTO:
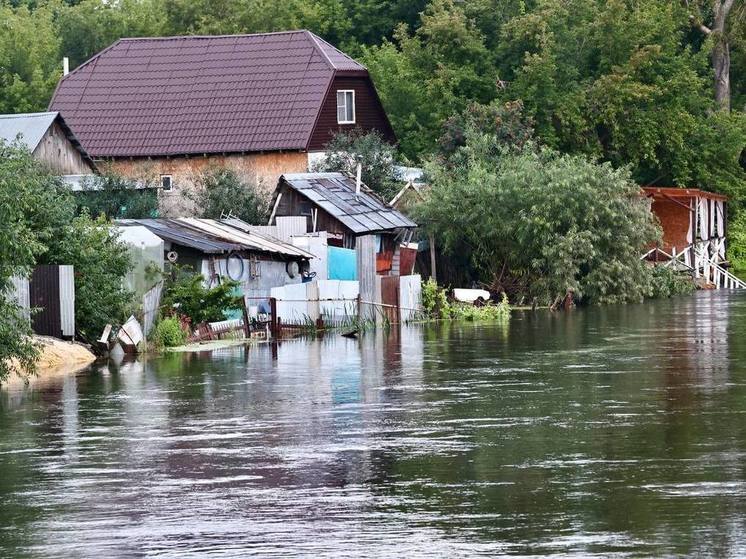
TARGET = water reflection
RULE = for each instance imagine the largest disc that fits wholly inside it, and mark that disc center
(613, 431)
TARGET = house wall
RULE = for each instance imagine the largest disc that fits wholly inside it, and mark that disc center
(369, 113)
(273, 273)
(264, 167)
(675, 221)
(59, 153)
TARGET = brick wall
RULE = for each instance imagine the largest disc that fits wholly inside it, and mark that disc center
(675, 221)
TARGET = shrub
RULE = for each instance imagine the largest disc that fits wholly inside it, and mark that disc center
(116, 198)
(666, 282)
(488, 312)
(186, 293)
(168, 333)
(220, 191)
(434, 301)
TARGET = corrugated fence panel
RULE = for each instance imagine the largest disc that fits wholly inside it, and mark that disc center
(290, 226)
(45, 296)
(410, 297)
(366, 275)
(150, 303)
(67, 300)
(20, 294)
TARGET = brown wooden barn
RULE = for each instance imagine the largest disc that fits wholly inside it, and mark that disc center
(695, 228)
(346, 210)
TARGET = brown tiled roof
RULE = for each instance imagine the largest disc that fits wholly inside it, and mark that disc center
(188, 95)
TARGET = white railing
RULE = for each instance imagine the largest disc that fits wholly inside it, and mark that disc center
(706, 265)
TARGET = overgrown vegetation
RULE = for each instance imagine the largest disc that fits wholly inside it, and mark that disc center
(219, 192)
(186, 295)
(168, 333)
(666, 282)
(536, 223)
(346, 150)
(38, 225)
(435, 305)
(116, 197)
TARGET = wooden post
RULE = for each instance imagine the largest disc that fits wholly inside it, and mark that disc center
(433, 272)
(274, 318)
(246, 324)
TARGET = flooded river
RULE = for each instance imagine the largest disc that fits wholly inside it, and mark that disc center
(614, 431)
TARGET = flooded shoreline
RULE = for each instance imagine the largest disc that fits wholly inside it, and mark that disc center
(613, 431)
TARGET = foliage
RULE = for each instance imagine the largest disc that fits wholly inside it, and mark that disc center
(434, 300)
(558, 222)
(488, 312)
(115, 197)
(101, 260)
(186, 294)
(219, 191)
(666, 282)
(346, 150)
(168, 333)
(22, 186)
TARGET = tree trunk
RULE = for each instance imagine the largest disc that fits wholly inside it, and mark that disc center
(721, 48)
(721, 53)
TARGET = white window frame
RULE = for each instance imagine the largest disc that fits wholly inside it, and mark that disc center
(170, 183)
(345, 92)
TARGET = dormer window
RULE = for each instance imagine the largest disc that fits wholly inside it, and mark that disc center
(345, 106)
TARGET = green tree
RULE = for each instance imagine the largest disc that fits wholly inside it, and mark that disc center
(30, 60)
(429, 75)
(539, 223)
(377, 158)
(101, 261)
(219, 192)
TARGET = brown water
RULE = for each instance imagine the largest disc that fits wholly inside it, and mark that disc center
(612, 432)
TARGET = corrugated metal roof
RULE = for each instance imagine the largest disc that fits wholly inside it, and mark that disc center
(183, 95)
(214, 237)
(335, 194)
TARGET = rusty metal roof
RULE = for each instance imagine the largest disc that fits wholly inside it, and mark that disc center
(187, 95)
(335, 194)
(214, 237)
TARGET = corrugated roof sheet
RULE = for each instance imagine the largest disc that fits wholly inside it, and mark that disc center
(335, 194)
(184, 95)
(214, 237)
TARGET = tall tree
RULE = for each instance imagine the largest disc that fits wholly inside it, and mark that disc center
(717, 21)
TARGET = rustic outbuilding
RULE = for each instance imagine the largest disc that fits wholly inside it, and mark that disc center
(695, 228)
(262, 105)
(347, 210)
(50, 140)
(218, 250)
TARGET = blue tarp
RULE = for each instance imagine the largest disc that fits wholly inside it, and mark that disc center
(342, 264)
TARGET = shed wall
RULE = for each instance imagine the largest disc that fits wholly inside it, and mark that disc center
(675, 221)
(59, 153)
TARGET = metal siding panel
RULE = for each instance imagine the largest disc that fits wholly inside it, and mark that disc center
(19, 293)
(44, 295)
(67, 300)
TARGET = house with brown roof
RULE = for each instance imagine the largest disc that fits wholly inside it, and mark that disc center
(170, 107)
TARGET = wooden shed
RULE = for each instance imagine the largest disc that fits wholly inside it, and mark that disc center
(50, 140)
(695, 228)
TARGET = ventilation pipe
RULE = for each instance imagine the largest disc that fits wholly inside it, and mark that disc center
(65, 66)
(359, 181)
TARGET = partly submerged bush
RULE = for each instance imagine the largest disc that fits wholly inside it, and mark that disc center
(487, 312)
(168, 333)
(434, 301)
(667, 282)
